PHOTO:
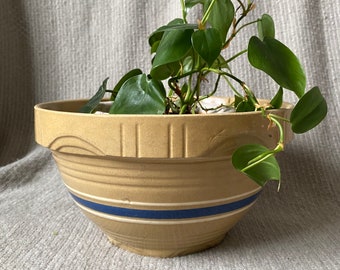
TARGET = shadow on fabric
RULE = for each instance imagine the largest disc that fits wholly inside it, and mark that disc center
(16, 83)
(306, 206)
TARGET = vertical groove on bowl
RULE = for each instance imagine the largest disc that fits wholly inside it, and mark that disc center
(177, 141)
(121, 142)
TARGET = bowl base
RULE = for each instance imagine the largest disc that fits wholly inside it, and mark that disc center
(169, 253)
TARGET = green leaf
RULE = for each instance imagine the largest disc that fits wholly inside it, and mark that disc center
(279, 62)
(127, 76)
(221, 16)
(237, 100)
(207, 44)
(154, 46)
(91, 105)
(266, 27)
(140, 95)
(188, 64)
(173, 47)
(277, 100)
(266, 170)
(157, 35)
(245, 106)
(309, 111)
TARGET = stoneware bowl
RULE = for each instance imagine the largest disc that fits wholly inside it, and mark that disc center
(157, 185)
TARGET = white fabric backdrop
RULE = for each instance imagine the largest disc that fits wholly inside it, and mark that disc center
(63, 50)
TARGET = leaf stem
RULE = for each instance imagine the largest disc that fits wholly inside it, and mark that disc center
(207, 13)
(214, 91)
(245, 12)
(247, 24)
(246, 89)
(242, 6)
(235, 32)
(279, 117)
(236, 55)
(279, 147)
(274, 118)
(258, 159)
(184, 11)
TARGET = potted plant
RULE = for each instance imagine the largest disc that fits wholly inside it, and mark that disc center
(166, 172)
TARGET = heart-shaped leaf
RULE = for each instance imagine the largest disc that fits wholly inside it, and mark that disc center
(157, 35)
(267, 169)
(309, 111)
(173, 47)
(177, 24)
(207, 44)
(127, 76)
(140, 95)
(279, 62)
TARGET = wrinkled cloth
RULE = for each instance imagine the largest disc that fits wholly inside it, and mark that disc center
(53, 50)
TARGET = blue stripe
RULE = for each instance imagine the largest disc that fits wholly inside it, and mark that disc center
(167, 214)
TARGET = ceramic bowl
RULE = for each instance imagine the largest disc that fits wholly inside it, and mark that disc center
(157, 185)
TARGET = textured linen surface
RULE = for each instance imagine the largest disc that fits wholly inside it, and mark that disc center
(60, 49)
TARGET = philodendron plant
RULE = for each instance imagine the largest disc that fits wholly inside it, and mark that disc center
(183, 54)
